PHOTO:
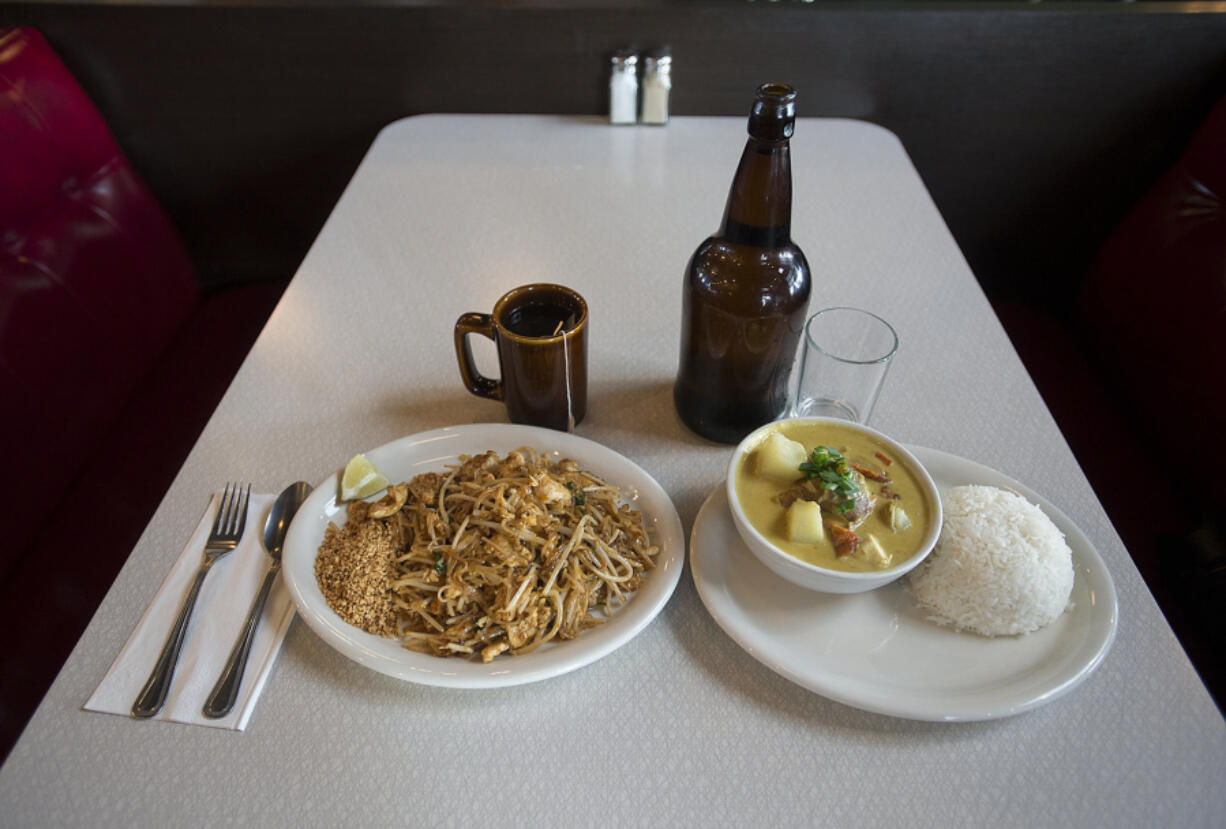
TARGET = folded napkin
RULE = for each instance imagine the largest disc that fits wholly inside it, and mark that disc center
(225, 598)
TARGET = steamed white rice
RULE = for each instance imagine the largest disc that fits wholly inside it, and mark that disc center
(1000, 567)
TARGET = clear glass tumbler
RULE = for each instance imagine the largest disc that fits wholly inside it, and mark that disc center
(846, 355)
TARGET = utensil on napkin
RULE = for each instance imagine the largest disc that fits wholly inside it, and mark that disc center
(225, 692)
(220, 611)
(228, 528)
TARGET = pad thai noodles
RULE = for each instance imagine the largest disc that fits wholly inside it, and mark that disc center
(495, 555)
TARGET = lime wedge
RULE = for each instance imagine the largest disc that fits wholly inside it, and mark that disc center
(361, 479)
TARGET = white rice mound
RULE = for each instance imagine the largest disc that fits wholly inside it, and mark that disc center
(1000, 567)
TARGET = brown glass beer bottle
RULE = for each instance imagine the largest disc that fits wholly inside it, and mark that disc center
(746, 290)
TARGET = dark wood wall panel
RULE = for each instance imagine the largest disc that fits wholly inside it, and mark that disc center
(1033, 126)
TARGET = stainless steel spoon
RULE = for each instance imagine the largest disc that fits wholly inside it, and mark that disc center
(225, 692)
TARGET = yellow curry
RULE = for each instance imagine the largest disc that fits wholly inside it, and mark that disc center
(833, 496)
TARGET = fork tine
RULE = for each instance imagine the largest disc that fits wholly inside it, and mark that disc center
(223, 508)
(240, 516)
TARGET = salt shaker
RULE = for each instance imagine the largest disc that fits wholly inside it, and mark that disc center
(657, 80)
(624, 88)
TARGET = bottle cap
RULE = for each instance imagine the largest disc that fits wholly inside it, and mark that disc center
(773, 116)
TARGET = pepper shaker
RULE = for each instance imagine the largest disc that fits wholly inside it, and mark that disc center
(657, 80)
(624, 88)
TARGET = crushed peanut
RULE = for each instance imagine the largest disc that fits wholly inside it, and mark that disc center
(354, 569)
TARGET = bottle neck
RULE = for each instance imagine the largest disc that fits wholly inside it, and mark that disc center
(759, 211)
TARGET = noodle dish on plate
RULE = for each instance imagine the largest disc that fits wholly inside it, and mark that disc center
(499, 555)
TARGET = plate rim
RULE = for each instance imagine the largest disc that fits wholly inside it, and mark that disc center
(1086, 555)
(387, 657)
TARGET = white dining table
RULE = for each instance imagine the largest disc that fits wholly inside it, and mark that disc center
(681, 725)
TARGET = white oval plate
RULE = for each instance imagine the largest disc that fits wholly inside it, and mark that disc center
(400, 460)
(877, 651)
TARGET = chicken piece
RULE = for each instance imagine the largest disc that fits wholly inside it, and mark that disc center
(549, 491)
(872, 553)
(390, 504)
(806, 490)
(523, 630)
(527, 518)
(424, 487)
(845, 541)
(488, 653)
(478, 467)
(862, 504)
(514, 463)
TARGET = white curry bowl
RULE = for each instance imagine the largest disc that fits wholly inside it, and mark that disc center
(812, 576)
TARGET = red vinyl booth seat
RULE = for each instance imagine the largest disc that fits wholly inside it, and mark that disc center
(1155, 307)
(111, 362)
(1137, 381)
(93, 279)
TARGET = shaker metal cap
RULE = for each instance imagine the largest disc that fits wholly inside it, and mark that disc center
(773, 116)
(624, 59)
(657, 59)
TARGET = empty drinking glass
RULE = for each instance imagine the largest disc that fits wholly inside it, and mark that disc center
(846, 355)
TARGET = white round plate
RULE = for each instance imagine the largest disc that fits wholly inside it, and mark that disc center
(400, 460)
(877, 651)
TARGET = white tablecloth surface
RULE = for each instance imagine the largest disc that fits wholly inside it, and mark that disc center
(680, 727)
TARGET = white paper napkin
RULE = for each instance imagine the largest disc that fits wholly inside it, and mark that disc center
(225, 598)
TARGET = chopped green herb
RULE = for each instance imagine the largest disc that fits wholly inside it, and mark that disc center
(828, 465)
(578, 497)
(439, 564)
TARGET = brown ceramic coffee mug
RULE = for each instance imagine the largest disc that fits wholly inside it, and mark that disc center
(540, 332)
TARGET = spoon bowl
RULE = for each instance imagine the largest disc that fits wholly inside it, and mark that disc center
(280, 515)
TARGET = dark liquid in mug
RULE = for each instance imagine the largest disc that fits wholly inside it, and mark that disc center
(539, 319)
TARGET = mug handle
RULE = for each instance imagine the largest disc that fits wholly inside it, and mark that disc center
(474, 381)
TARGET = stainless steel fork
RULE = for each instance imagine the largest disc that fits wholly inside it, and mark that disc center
(227, 530)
